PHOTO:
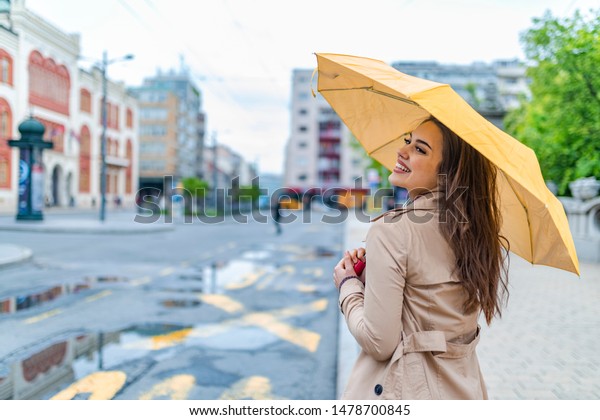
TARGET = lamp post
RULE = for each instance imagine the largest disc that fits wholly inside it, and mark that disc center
(105, 63)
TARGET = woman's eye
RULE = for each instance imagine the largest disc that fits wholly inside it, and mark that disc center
(418, 149)
(407, 141)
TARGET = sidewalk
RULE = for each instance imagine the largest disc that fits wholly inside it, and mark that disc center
(76, 222)
(546, 344)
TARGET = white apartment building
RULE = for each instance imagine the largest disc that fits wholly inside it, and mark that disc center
(40, 77)
(318, 152)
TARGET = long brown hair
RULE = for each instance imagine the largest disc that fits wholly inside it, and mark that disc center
(470, 220)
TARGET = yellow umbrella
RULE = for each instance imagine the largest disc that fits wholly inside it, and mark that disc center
(380, 105)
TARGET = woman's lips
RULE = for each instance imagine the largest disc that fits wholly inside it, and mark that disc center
(401, 168)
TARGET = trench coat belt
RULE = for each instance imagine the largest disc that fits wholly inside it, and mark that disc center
(433, 341)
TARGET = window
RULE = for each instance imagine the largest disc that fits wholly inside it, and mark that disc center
(85, 101)
(153, 113)
(5, 150)
(129, 118)
(303, 111)
(302, 145)
(49, 84)
(6, 68)
(302, 129)
(84, 159)
(302, 177)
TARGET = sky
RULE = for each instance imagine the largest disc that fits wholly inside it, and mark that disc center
(241, 53)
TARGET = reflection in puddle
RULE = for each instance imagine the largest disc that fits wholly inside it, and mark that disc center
(180, 303)
(106, 279)
(20, 302)
(43, 370)
(256, 255)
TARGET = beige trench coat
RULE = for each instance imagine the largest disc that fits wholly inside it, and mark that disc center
(408, 319)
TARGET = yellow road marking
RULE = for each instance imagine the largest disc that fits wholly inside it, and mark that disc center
(43, 316)
(176, 387)
(170, 339)
(222, 302)
(269, 321)
(298, 336)
(254, 388)
(166, 271)
(316, 306)
(140, 281)
(101, 385)
(97, 296)
(247, 281)
(266, 281)
(306, 288)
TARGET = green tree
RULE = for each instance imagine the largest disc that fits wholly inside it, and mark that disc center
(197, 188)
(561, 121)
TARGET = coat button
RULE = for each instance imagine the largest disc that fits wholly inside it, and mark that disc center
(378, 389)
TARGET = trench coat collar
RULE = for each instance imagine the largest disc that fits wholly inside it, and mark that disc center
(426, 202)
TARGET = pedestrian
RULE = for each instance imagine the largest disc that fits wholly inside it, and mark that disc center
(276, 212)
(432, 267)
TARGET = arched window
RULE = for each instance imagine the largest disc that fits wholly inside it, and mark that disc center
(129, 171)
(84, 159)
(5, 150)
(85, 101)
(129, 118)
(49, 84)
(6, 68)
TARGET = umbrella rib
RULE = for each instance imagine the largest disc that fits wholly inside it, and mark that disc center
(379, 92)
(526, 212)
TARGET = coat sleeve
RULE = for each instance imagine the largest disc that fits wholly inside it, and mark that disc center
(374, 312)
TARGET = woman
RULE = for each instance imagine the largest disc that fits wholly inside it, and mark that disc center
(432, 268)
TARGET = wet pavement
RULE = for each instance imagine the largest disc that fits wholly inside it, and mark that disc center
(245, 314)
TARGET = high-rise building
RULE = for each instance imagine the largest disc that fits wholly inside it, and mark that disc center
(319, 153)
(172, 128)
(492, 89)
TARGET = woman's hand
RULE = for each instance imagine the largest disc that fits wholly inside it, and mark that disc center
(357, 254)
(345, 267)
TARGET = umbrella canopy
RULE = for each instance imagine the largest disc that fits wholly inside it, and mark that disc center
(380, 105)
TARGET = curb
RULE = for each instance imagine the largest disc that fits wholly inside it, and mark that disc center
(13, 254)
(348, 348)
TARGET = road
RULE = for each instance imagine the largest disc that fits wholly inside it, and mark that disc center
(203, 311)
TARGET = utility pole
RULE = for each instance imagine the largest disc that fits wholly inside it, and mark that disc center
(215, 171)
(105, 63)
(103, 140)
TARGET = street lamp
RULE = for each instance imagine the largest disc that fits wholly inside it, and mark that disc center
(105, 63)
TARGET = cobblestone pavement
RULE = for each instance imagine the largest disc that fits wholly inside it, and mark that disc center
(545, 346)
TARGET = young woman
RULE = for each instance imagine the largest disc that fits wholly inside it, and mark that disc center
(432, 268)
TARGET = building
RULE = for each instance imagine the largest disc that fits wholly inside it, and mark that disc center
(229, 164)
(40, 77)
(492, 89)
(172, 128)
(319, 153)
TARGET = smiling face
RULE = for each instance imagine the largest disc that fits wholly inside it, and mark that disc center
(419, 160)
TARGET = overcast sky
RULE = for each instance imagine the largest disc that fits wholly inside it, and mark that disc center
(241, 53)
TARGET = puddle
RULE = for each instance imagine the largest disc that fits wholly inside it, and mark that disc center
(106, 279)
(44, 295)
(43, 369)
(256, 255)
(313, 253)
(222, 276)
(17, 303)
(181, 303)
